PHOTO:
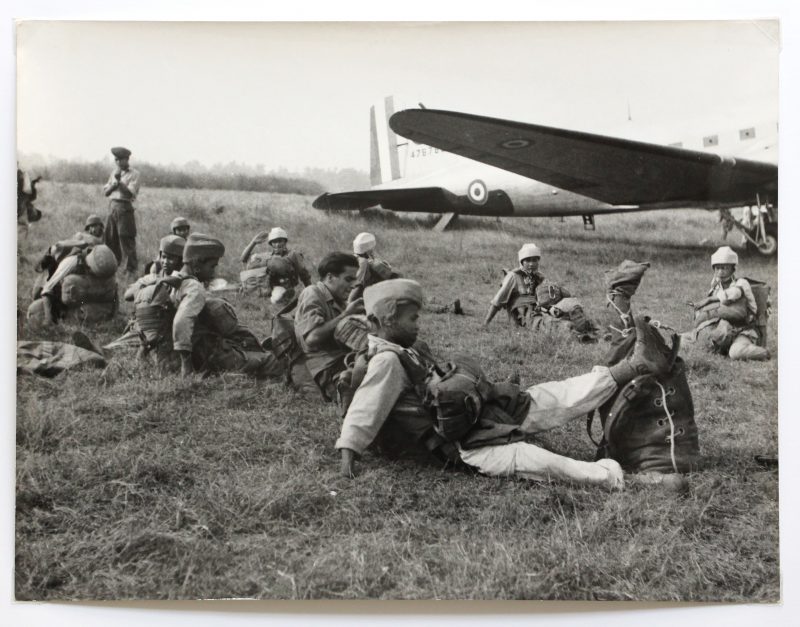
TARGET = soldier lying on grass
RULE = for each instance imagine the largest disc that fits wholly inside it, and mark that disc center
(487, 429)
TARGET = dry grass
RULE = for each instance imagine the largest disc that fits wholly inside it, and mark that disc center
(135, 486)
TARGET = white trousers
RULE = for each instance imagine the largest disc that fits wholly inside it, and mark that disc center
(554, 403)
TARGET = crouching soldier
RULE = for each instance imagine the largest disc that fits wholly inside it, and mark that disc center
(725, 322)
(82, 288)
(537, 304)
(206, 334)
(400, 406)
(180, 226)
(320, 310)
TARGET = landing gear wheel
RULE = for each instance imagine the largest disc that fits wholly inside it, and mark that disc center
(769, 246)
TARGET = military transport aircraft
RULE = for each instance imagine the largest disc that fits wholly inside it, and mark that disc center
(463, 164)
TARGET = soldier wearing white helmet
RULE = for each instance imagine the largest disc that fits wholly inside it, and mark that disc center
(725, 319)
(371, 268)
(278, 240)
(518, 290)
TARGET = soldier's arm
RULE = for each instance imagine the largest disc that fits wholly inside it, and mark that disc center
(372, 403)
(318, 335)
(132, 186)
(259, 238)
(112, 184)
(193, 299)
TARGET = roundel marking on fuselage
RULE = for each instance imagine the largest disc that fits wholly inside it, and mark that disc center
(515, 144)
(477, 192)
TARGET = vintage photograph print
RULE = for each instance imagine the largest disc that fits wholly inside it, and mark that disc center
(397, 311)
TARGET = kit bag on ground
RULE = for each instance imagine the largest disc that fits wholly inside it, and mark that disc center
(648, 425)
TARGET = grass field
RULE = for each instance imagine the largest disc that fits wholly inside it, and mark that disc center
(134, 486)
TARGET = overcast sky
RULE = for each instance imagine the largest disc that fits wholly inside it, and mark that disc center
(297, 95)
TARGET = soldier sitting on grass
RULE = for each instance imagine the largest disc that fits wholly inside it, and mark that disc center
(170, 255)
(387, 408)
(320, 309)
(537, 304)
(725, 321)
(206, 334)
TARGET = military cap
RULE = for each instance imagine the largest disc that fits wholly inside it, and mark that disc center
(101, 262)
(377, 296)
(172, 245)
(200, 246)
(92, 220)
(120, 152)
(178, 222)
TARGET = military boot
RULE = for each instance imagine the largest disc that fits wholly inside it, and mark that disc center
(650, 354)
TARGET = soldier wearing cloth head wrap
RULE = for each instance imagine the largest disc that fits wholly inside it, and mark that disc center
(387, 403)
(202, 339)
(122, 188)
(725, 319)
(371, 268)
(320, 308)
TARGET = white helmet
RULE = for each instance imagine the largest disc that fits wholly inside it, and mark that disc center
(277, 233)
(724, 254)
(363, 243)
(101, 262)
(528, 250)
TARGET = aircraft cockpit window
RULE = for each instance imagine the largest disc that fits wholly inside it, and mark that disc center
(711, 140)
(747, 133)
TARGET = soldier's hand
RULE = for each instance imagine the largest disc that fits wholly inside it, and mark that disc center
(118, 174)
(348, 463)
(260, 237)
(356, 307)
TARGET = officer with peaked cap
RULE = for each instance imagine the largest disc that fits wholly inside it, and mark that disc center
(122, 188)
(725, 321)
(387, 407)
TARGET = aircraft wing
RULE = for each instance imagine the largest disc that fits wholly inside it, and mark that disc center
(428, 199)
(612, 170)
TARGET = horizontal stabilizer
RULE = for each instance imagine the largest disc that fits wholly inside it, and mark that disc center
(427, 199)
(396, 199)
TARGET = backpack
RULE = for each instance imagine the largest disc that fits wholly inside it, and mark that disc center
(648, 424)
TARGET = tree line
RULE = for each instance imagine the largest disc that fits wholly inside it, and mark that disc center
(235, 177)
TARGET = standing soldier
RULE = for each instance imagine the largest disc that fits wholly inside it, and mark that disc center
(122, 188)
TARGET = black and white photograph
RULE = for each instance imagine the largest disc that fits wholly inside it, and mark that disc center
(397, 310)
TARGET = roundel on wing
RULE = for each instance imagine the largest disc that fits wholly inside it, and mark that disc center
(477, 192)
(515, 144)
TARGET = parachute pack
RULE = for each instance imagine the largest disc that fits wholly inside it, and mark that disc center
(648, 425)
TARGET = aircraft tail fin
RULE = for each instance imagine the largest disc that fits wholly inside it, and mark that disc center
(384, 159)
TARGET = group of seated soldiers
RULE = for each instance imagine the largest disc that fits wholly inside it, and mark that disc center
(353, 336)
